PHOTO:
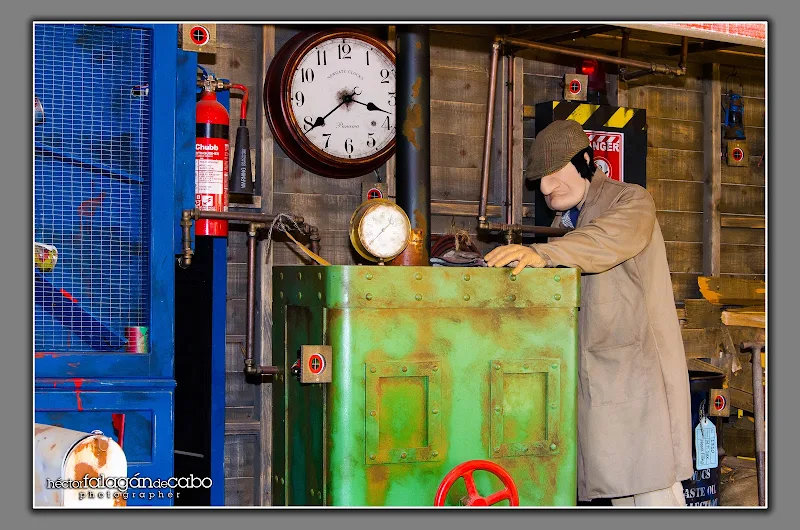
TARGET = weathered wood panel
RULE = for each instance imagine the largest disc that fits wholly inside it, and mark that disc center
(454, 117)
(681, 226)
(239, 455)
(752, 82)
(755, 140)
(452, 150)
(235, 322)
(667, 103)
(674, 164)
(237, 280)
(675, 134)
(677, 195)
(461, 52)
(454, 183)
(701, 343)
(291, 178)
(240, 414)
(742, 259)
(753, 174)
(234, 353)
(452, 84)
(335, 247)
(685, 257)
(238, 393)
(743, 199)
(325, 211)
(712, 171)
(743, 236)
(684, 286)
(237, 246)
(540, 88)
(240, 491)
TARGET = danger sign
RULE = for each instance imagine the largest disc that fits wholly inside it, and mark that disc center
(316, 363)
(738, 154)
(575, 86)
(374, 193)
(608, 152)
(719, 403)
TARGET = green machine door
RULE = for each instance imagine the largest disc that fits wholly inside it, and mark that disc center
(428, 368)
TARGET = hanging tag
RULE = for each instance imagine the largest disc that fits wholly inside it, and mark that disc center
(705, 444)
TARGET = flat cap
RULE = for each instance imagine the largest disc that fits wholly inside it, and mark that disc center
(554, 147)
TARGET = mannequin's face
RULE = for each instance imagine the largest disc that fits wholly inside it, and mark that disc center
(565, 188)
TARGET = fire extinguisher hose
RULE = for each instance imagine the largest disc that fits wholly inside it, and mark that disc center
(243, 113)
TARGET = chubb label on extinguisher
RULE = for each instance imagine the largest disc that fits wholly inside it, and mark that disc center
(210, 169)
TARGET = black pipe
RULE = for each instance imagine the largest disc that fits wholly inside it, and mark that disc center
(413, 129)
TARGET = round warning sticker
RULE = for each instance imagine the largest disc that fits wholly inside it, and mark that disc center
(316, 364)
(719, 403)
(199, 35)
(374, 193)
(575, 86)
(738, 154)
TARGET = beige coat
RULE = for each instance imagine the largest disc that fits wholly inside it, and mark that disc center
(634, 418)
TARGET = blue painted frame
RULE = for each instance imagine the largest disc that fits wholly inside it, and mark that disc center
(166, 164)
(154, 396)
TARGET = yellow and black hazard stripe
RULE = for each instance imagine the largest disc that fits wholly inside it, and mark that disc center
(599, 116)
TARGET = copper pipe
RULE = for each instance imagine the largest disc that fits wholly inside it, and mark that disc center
(509, 137)
(684, 52)
(186, 239)
(239, 216)
(551, 231)
(643, 65)
(487, 142)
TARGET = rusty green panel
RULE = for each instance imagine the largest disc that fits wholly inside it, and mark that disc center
(389, 436)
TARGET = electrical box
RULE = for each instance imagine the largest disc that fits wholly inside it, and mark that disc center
(575, 87)
(618, 136)
(737, 153)
(429, 367)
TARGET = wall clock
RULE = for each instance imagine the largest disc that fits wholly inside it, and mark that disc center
(330, 99)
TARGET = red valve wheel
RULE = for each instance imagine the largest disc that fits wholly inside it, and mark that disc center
(465, 471)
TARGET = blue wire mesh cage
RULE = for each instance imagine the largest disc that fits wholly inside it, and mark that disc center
(91, 135)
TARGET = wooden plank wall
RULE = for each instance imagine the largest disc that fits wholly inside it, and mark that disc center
(675, 175)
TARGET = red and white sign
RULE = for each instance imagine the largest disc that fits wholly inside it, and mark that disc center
(738, 154)
(199, 35)
(374, 193)
(316, 364)
(608, 152)
(719, 403)
(575, 86)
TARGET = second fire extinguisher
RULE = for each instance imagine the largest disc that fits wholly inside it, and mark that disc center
(212, 155)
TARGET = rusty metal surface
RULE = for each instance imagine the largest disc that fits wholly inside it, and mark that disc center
(64, 454)
(449, 328)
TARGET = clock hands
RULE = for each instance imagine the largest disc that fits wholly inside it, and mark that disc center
(320, 121)
(371, 106)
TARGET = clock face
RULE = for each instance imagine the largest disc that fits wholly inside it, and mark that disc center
(342, 99)
(384, 231)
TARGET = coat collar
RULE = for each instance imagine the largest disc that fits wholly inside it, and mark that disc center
(598, 180)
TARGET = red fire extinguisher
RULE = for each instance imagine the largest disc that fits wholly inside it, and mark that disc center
(212, 155)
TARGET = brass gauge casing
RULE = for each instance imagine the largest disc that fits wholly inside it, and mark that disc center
(379, 230)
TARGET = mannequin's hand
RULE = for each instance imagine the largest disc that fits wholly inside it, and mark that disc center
(524, 256)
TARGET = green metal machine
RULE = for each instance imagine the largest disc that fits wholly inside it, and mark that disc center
(394, 376)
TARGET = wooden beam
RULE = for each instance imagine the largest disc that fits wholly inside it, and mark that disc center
(732, 291)
(712, 145)
(752, 317)
(263, 409)
(700, 313)
(741, 221)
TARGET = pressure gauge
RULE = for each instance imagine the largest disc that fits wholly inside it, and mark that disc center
(379, 230)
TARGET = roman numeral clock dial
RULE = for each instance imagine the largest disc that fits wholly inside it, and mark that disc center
(330, 102)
